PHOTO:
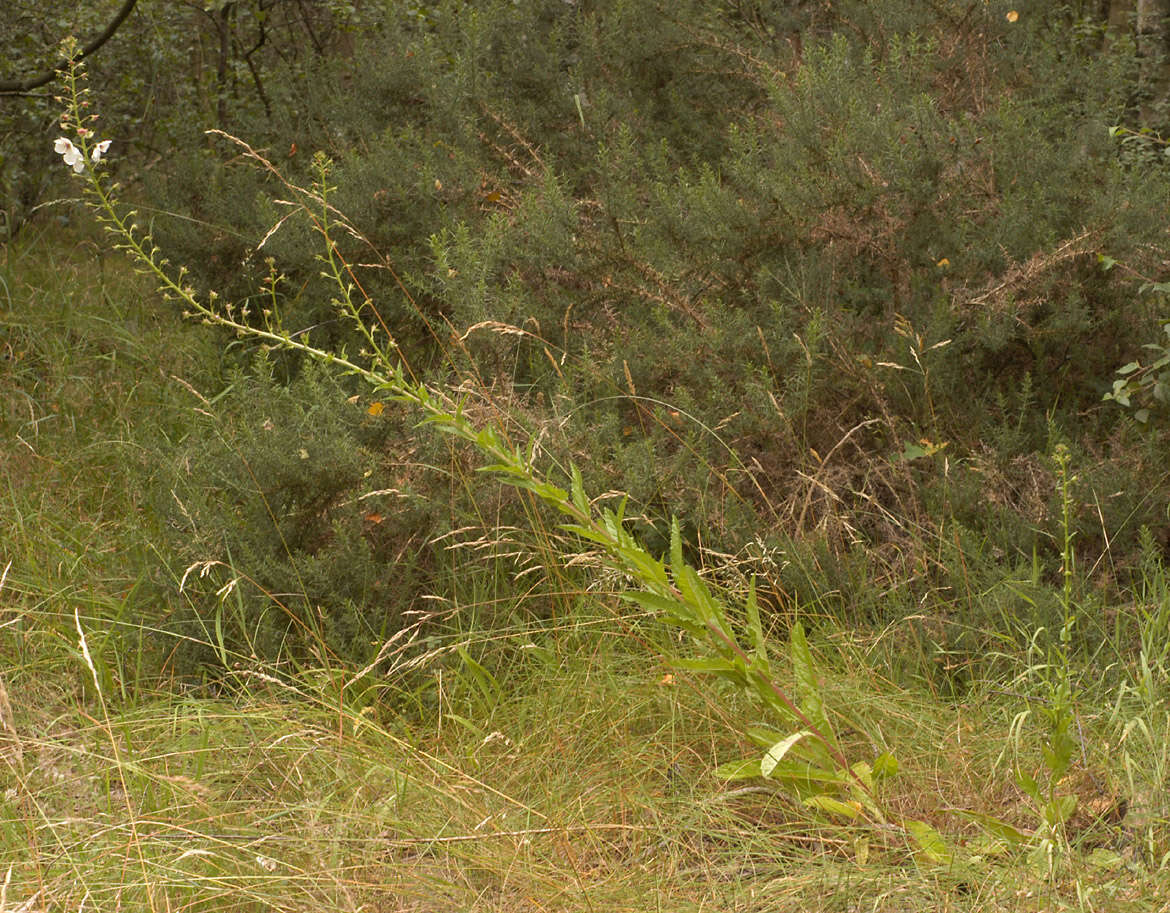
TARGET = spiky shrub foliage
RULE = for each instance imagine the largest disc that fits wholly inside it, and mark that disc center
(310, 526)
(278, 483)
(756, 270)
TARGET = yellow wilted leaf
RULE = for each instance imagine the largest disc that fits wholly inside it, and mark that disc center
(1012, 16)
(375, 409)
(943, 263)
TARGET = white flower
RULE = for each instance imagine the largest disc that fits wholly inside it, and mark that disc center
(70, 153)
(99, 150)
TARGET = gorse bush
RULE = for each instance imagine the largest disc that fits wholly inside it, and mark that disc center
(823, 279)
(705, 248)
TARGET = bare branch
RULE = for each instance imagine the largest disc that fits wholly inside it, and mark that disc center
(21, 87)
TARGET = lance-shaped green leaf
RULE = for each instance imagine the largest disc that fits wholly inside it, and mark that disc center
(756, 629)
(1059, 810)
(995, 827)
(748, 769)
(725, 668)
(930, 843)
(850, 811)
(809, 686)
(577, 487)
(803, 775)
(775, 754)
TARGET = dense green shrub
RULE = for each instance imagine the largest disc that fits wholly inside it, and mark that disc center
(783, 270)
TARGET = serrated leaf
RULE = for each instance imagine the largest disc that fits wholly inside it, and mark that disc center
(776, 753)
(930, 842)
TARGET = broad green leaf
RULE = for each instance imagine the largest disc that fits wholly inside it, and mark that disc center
(588, 534)
(885, 766)
(646, 568)
(1058, 757)
(930, 842)
(739, 770)
(1103, 858)
(577, 486)
(834, 806)
(676, 555)
(802, 773)
(1129, 368)
(676, 611)
(809, 751)
(763, 736)
(1028, 785)
(691, 587)
(712, 666)
(911, 452)
(808, 683)
(995, 827)
(776, 753)
(1059, 810)
(755, 627)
